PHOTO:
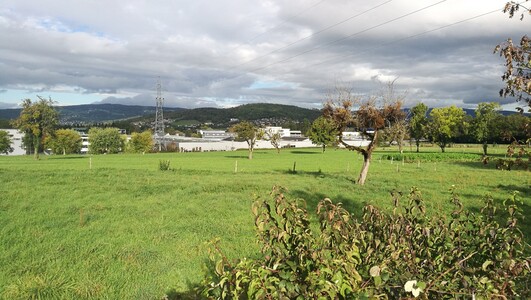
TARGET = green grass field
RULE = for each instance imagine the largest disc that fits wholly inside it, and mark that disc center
(116, 227)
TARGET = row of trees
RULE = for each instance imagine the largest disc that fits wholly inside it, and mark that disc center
(381, 119)
(39, 121)
(102, 141)
(443, 126)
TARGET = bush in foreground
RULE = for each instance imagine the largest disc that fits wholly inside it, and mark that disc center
(404, 254)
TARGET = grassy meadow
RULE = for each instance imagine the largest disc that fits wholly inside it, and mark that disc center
(116, 227)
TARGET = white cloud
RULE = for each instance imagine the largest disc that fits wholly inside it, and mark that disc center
(213, 52)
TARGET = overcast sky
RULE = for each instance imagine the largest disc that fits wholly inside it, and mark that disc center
(222, 53)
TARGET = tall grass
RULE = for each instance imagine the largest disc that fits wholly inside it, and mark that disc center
(116, 227)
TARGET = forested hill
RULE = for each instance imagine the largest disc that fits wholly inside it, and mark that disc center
(245, 112)
(95, 113)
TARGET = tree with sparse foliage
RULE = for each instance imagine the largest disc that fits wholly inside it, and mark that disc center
(246, 131)
(482, 125)
(5, 142)
(323, 132)
(517, 74)
(141, 142)
(37, 120)
(398, 132)
(105, 140)
(64, 141)
(273, 137)
(370, 119)
(445, 124)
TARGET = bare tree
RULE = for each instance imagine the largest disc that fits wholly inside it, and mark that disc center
(273, 137)
(374, 114)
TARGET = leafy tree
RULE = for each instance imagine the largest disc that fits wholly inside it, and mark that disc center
(273, 138)
(482, 125)
(37, 120)
(65, 141)
(370, 119)
(514, 128)
(141, 142)
(418, 123)
(4, 123)
(323, 132)
(246, 131)
(446, 123)
(517, 74)
(105, 140)
(5, 142)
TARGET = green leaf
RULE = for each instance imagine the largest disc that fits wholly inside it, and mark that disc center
(421, 285)
(486, 264)
(377, 281)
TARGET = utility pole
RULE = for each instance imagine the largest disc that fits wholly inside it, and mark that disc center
(159, 118)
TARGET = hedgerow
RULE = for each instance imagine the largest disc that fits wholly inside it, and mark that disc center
(432, 156)
(403, 254)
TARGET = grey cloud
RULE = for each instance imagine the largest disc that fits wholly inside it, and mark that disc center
(4, 105)
(203, 51)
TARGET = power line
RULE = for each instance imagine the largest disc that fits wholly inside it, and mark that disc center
(316, 33)
(347, 37)
(407, 38)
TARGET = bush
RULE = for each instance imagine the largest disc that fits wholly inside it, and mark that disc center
(432, 157)
(382, 256)
(164, 165)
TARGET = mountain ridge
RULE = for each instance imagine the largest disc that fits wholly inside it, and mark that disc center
(96, 113)
(106, 112)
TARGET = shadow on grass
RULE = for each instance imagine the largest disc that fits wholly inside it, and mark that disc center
(67, 157)
(305, 152)
(303, 173)
(188, 295)
(489, 165)
(237, 156)
(312, 200)
(193, 290)
(476, 164)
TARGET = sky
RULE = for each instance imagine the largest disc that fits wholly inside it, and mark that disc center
(224, 53)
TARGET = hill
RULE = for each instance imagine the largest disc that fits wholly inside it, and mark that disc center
(93, 113)
(96, 113)
(248, 112)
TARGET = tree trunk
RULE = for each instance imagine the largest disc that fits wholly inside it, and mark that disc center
(36, 144)
(418, 145)
(250, 146)
(64, 151)
(364, 168)
(485, 145)
(324, 146)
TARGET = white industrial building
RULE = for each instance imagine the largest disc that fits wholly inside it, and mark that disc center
(16, 141)
(212, 140)
(284, 132)
(216, 135)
